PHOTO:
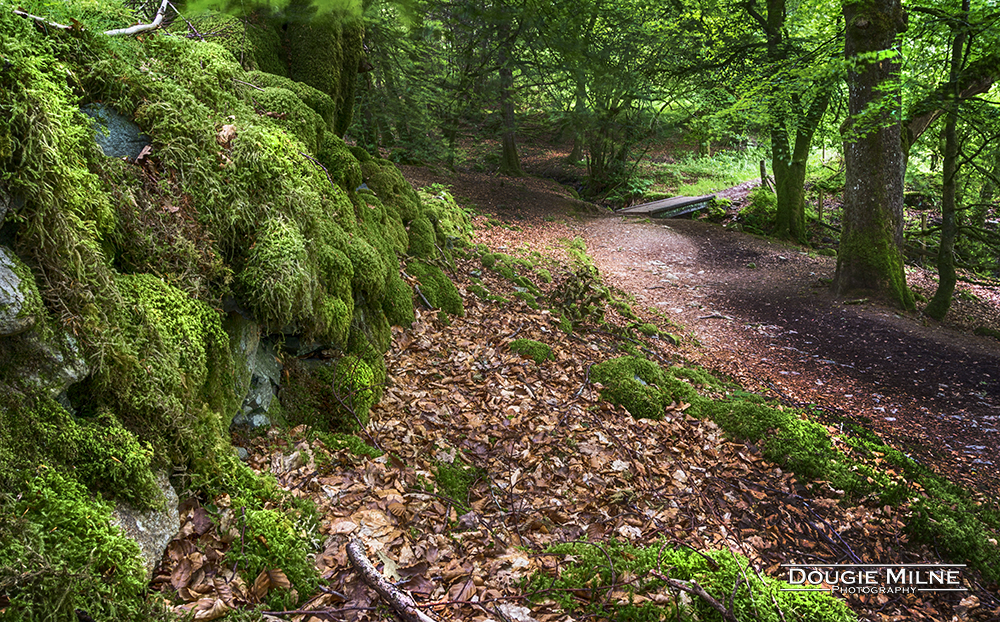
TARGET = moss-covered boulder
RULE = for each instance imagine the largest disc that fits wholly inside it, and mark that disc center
(437, 288)
(641, 386)
(292, 114)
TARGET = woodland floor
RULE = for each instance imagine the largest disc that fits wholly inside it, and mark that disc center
(492, 457)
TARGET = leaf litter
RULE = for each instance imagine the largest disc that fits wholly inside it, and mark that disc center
(539, 459)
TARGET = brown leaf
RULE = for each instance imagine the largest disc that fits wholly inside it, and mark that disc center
(181, 575)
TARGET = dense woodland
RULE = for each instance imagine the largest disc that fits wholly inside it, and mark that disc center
(239, 351)
(899, 110)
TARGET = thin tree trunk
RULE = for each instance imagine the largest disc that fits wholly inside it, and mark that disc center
(510, 162)
(870, 257)
(937, 308)
(580, 109)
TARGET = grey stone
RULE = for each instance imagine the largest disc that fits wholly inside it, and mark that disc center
(242, 453)
(117, 135)
(265, 377)
(152, 530)
(19, 298)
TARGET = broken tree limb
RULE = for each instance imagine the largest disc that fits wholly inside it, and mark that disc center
(693, 588)
(396, 598)
(153, 25)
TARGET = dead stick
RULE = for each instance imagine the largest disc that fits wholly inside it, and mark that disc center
(693, 588)
(399, 600)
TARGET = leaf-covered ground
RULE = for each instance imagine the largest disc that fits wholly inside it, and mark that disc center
(490, 458)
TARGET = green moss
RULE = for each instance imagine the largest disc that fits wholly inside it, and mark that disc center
(726, 576)
(271, 541)
(489, 260)
(452, 226)
(535, 350)
(392, 189)
(633, 383)
(293, 115)
(59, 553)
(454, 481)
(275, 281)
(321, 103)
(354, 385)
(398, 303)
(340, 162)
(324, 51)
(422, 239)
(641, 386)
(369, 269)
(437, 288)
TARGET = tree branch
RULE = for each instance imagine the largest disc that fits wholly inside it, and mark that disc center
(153, 25)
(693, 588)
(399, 600)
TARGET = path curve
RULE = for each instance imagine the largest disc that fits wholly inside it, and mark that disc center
(762, 315)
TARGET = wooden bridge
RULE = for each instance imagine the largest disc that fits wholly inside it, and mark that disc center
(668, 208)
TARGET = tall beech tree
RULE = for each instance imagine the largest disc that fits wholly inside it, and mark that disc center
(870, 256)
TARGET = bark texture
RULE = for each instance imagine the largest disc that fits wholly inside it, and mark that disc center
(870, 257)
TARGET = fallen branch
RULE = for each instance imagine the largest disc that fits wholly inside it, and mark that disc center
(693, 588)
(41, 20)
(400, 601)
(153, 25)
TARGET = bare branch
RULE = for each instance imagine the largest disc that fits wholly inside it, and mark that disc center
(153, 25)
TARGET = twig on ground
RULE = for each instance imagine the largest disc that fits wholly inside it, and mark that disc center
(693, 588)
(400, 601)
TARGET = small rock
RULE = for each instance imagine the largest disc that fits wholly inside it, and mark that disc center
(242, 453)
(152, 530)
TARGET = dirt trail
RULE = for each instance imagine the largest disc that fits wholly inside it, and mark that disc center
(931, 389)
(761, 314)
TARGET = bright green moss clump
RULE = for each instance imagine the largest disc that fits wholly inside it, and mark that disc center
(58, 553)
(437, 288)
(728, 577)
(641, 386)
(535, 350)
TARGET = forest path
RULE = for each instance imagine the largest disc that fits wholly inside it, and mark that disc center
(762, 314)
(931, 389)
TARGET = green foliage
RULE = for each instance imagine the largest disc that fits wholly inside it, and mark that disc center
(535, 350)
(759, 215)
(726, 576)
(59, 553)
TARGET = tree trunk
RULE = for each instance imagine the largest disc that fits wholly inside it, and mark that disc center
(580, 109)
(937, 308)
(790, 168)
(510, 162)
(870, 257)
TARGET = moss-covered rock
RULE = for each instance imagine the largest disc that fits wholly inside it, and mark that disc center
(325, 50)
(437, 288)
(422, 239)
(292, 114)
(321, 103)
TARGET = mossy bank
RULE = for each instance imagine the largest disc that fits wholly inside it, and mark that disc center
(156, 274)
